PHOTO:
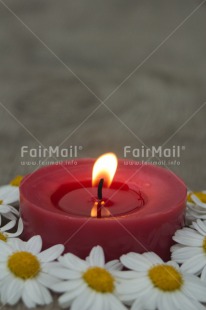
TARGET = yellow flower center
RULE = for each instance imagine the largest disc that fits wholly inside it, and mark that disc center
(99, 280)
(16, 181)
(166, 278)
(3, 237)
(200, 195)
(204, 244)
(1, 201)
(24, 265)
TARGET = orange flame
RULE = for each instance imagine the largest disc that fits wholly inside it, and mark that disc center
(104, 211)
(104, 168)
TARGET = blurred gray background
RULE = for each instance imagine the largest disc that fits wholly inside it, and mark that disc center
(60, 59)
(145, 60)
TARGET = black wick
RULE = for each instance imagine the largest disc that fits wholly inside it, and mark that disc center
(99, 190)
(99, 195)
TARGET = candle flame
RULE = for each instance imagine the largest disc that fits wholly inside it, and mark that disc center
(104, 168)
(105, 212)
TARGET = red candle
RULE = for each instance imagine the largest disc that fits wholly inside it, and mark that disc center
(139, 210)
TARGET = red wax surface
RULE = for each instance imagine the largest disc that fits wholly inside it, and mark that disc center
(143, 208)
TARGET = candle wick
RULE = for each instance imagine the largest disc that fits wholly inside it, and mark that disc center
(99, 190)
(99, 195)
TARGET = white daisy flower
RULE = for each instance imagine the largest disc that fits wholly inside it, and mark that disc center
(159, 285)
(90, 284)
(9, 194)
(196, 205)
(191, 248)
(24, 271)
(6, 235)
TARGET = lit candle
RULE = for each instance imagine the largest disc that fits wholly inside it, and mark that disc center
(127, 208)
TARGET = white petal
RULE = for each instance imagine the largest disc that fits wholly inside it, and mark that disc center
(17, 244)
(134, 285)
(51, 254)
(176, 247)
(188, 236)
(114, 265)
(184, 253)
(187, 303)
(194, 288)
(27, 300)
(74, 262)
(135, 262)
(137, 305)
(66, 299)
(5, 248)
(114, 303)
(47, 279)
(33, 290)
(67, 286)
(84, 301)
(14, 291)
(151, 302)
(64, 273)
(96, 257)
(4, 272)
(195, 264)
(8, 281)
(9, 216)
(153, 258)
(125, 274)
(165, 302)
(5, 209)
(200, 227)
(9, 194)
(8, 226)
(198, 201)
(19, 229)
(97, 302)
(203, 275)
(173, 264)
(34, 244)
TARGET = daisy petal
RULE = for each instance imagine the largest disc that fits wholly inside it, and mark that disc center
(47, 279)
(73, 262)
(114, 265)
(8, 226)
(182, 254)
(135, 262)
(33, 291)
(96, 257)
(114, 303)
(14, 291)
(137, 305)
(66, 299)
(34, 244)
(203, 274)
(200, 227)
(194, 288)
(195, 264)
(17, 244)
(27, 300)
(153, 258)
(64, 273)
(84, 301)
(188, 236)
(19, 229)
(5, 248)
(51, 254)
(68, 286)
